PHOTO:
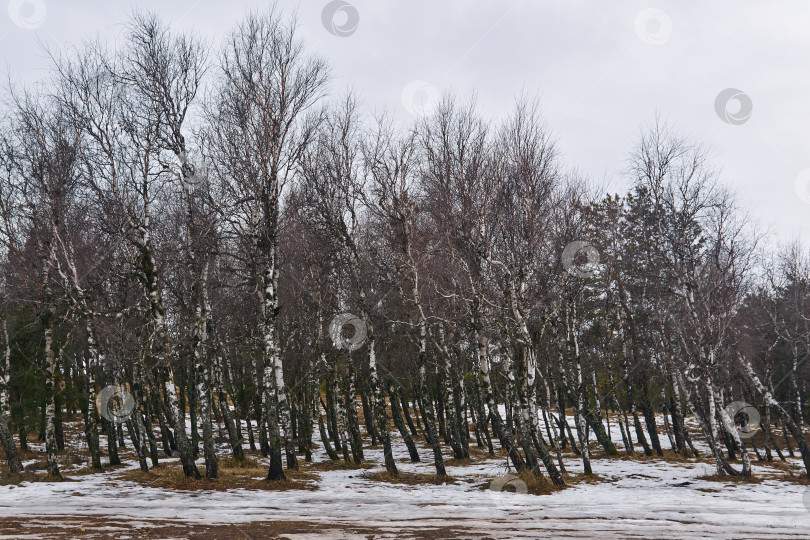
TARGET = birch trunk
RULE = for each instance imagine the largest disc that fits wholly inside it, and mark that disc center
(452, 428)
(49, 321)
(90, 426)
(379, 401)
(12, 456)
(352, 423)
(203, 373)
(396, 413)
(274, 375)
(522, 415)
(231, 425)
(178, 417)
(731, 429)
(486, 391)
(428, 414)
(620, 417)
(787, 421)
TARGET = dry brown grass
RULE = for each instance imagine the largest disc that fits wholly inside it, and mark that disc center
(66, 463)
(542, 485)
(411, 479)
(338, 465)
(668, 456)
(476, 454)
(6, 478)
(231, 463)
(87, 470)
(535, 485)
(39, 465)
(729, 479)
(785, 472)
(794, 478)
(483, 453)
(232, 475)
(538, 485)
(581, 478)
(25, 454)
(453, 462)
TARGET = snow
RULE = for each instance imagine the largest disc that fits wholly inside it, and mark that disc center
(636, 498)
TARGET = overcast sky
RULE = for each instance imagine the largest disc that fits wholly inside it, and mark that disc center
(602, 70)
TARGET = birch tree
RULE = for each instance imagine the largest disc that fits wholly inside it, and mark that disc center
(268, 86)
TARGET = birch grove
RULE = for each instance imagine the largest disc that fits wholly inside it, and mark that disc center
(210, 252)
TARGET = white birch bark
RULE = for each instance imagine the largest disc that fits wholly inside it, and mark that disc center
(12, 456)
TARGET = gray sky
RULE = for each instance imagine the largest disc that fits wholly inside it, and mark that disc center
(602, 70)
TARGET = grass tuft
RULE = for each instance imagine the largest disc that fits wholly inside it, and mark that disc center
(731, 479)
(8, 479)
(411, 479)
(244, 475)
(338, 465)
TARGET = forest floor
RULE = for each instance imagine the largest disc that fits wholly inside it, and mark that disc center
(627, 497)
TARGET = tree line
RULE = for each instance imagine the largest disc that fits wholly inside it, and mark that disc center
(216, 236)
